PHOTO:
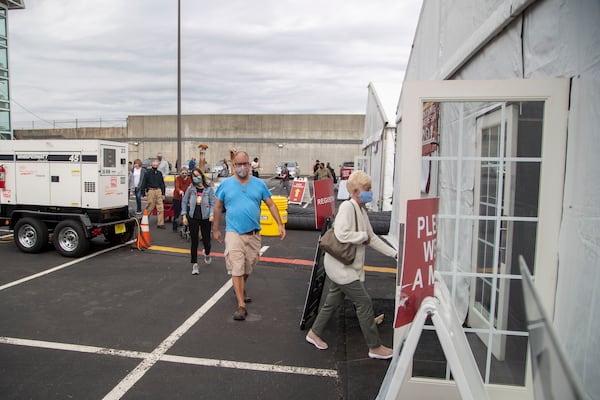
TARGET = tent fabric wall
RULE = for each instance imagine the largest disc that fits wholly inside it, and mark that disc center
(545, 38)
(378, 142)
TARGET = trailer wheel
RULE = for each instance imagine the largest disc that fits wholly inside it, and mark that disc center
(69, 239)
(31, 235)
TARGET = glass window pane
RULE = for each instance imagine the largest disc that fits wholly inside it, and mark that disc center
(3, 58)
(4, 121)
(488, 177)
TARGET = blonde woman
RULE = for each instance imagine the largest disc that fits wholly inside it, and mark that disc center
(352, 226)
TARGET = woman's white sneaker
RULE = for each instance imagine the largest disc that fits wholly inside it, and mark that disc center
(381, 353)
(316, 341)
(195, 270)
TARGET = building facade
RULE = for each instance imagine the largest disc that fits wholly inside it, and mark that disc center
(5, 125)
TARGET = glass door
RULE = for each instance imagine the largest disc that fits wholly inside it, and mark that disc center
(496, 138)
(498, 171)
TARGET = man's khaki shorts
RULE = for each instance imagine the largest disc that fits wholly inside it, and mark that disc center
(241, 253)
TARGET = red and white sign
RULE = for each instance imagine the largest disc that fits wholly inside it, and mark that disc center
(345, 173)
(297, 191)
(324, 201)
(431, 113)
(420, 237)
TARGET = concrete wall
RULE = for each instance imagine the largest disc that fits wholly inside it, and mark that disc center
(270, 137)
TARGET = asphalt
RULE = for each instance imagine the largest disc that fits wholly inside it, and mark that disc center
(137, 325)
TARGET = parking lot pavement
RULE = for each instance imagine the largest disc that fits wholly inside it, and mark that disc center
(136, 324)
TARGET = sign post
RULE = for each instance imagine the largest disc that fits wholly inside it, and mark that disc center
(419, 258)
(454, 345)
(324, 201)
(418, 303)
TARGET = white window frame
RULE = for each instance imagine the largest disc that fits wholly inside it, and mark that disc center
(554, 93)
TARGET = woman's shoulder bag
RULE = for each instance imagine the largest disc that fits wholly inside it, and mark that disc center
(343, 252)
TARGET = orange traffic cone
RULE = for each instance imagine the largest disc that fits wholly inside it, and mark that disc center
(143, 240)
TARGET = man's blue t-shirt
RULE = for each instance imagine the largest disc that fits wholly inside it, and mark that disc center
(242, 203)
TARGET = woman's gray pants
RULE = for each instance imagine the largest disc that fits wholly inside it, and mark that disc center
(357, 293)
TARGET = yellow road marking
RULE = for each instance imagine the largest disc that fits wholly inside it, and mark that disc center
(386, 270)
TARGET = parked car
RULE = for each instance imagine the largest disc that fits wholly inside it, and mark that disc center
(219, 170)
(293, 167)
(346, 169)
(147, 163)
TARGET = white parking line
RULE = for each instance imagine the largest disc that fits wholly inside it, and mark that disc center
(59, 267)
(42, 344)
(286, 369)
(205, 362)
(139, 371)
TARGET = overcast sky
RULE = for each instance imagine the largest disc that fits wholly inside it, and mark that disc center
(92, 59)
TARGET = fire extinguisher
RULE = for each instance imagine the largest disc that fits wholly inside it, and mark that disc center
(2, 176)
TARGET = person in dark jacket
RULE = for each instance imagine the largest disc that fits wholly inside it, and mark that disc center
(153, 188)
(332, 171)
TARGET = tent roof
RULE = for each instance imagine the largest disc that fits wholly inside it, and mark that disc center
(387, 95)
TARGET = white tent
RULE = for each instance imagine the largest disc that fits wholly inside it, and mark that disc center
(523, 39)
(379, 141)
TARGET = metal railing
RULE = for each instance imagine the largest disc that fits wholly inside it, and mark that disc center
(71, 123)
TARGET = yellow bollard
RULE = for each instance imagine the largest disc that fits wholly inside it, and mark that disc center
(268, 224)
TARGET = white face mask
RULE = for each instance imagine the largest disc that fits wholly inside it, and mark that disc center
(241, 171)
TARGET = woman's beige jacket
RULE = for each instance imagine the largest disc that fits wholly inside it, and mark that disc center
(344, 229)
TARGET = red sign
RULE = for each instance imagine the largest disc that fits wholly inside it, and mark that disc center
(297, 192)
(420, 238)
(431, 112)
(324, 201)
(345, 172)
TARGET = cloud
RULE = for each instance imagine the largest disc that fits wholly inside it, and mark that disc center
(110, 59)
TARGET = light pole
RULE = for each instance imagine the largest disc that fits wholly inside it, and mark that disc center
(178, 162)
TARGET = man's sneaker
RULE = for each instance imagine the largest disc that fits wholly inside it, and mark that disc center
(240, 314)
(207, 259)
(195, 270)
(247, 299)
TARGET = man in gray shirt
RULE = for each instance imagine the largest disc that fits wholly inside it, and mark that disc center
(163, 167)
